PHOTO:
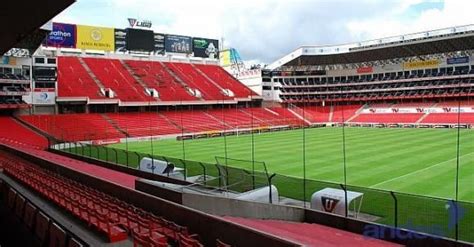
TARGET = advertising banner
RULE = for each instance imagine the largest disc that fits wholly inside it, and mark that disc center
(266, 73)
(208, 48)
(140, 40)
(433, 63)
(363, 70)
(135, 23)
(9, 60)
(159, 43)
(224, 58)
(417, 110)
(63, 35)
(120, 40)
(457, 60)
(95, 38)
(45, 97)
(178, 44)
(106, 142)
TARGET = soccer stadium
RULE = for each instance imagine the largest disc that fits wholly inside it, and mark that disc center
(124, 136)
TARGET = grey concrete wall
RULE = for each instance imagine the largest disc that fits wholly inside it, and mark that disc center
(231, 207)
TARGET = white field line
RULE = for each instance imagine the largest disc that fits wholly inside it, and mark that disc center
(417, 171)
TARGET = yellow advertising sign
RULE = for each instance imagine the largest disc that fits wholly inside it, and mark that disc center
(224, 57)
(433, 63)
(12, 61)
(95, 38)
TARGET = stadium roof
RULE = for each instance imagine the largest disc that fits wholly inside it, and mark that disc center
(20, 18)
(416, 44)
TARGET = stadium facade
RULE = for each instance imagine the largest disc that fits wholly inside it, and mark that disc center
(413, 66)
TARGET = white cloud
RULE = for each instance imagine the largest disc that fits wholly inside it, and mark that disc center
(454, 13)
(264, 30)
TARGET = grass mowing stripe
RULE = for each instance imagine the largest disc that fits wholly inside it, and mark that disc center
(418, 171)
(373, 156)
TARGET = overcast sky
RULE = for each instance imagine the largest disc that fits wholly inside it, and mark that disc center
(265, 30)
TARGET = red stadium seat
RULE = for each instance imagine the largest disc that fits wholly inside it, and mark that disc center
(225, 80)
(189, 241)
(115, 76)
(66, 127)
(129, 78)
(449, 118)
(75, 81)
(106, 127)
(107, 215)
(156, 76)
(195, 80)
(14, 133)
(388, 118)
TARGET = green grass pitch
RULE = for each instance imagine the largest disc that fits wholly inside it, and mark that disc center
(418, 164)
(416, 161)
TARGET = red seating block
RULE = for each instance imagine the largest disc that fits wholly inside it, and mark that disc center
(107, 215)
(186, 241)
(449, 118)
(315, 114)
(17, 134)
(193, 121)
(195, 80)
(66, 127)
(344, 113)
(115, 76)
(155, 76)
(388, 118)
(225, 80)
(74, 80)
(144, 124)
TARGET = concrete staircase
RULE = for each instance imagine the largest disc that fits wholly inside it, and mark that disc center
(114, 124)
(177, 78)
(207, 77)
(171, 122)
(130, 70)
(218, 120)
(331, 113)
(357, 113)
(272, 112)
(251, 115)
(425, 115)
(89, 71)
(292, 110)
(34, 128)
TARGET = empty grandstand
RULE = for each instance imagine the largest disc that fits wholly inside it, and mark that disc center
(144, 139)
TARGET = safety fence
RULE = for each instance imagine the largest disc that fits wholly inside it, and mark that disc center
(442, 217)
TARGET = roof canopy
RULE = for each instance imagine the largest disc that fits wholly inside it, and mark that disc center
(417, 44)
(21, 18)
